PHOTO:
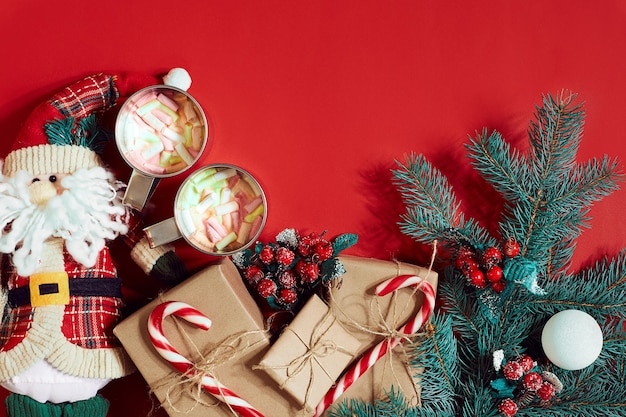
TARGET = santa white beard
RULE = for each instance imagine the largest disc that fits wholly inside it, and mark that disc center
(86, 215)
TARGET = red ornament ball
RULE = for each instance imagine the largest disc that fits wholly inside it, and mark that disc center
(513, 371)
(308, 271)
(284, 256)
(527, 362)
(511, 248)
(498, 286)
(323, 250)
(287, 296)
(266, 287)
(477, 279)
(266, 254)
(253, 274)
(532, 381)
(546, 391)
(494, 273)
(508, 407)
(491, 256)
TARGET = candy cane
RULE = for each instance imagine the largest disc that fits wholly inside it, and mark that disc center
(374, 354)
(184, 365)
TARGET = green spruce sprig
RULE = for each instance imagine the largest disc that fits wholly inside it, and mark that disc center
(547, 196)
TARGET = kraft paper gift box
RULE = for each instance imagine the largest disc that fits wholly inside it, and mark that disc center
(364, 313)
(218, 292)
(310, 354)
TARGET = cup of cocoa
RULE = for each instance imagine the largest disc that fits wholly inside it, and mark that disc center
(219, 209)
(160, 132)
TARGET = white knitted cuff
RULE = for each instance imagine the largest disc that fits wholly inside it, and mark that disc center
(145, 256)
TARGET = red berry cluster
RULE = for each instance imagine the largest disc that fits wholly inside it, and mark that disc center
(531, 383)
(482, 268)
(284, 272)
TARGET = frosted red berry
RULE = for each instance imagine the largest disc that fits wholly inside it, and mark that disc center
(284, 256)
(465, 251)
(546, 391)
(527, 362)
(508, 407)
(305, 246)
(532, 381)
(477, 279)
(491, 256)
(287, 296)
(462, 258)
(468, 265)
(513, 371)
(308, 271)
(253, 274)
(323, 250)
(287, 279)
(266, 287)
(266, 254)
(511, 248)
(494, 274)
(498, 286)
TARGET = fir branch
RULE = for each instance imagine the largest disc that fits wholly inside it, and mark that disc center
(477, 400)
(351, 408)
(555, 137)
(588, 183)
(548, 196)
(599, 290)
(578, 409)
(457, 305)
(504, 168)
(433, 212)
(437, 354)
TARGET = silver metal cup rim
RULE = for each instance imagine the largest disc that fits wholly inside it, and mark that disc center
(242, 171)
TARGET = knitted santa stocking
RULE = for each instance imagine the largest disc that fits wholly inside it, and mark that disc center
(23, 406)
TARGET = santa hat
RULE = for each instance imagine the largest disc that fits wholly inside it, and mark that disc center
(62, 134)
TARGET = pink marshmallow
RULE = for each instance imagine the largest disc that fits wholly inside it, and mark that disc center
(256, 225)
(252, 205)
(215, 224)
(167, 101)
(162, 116)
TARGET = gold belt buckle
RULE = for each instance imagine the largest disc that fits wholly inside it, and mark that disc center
(49, 288)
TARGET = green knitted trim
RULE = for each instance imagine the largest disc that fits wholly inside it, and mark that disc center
(93, 407)
(22, 406)
(169, 269)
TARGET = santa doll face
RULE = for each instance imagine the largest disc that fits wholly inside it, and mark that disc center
(44, 187)
(84, 208)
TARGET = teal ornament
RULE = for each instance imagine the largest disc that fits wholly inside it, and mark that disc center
(524, 272)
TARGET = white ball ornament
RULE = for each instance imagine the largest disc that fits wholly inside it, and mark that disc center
(572, 339)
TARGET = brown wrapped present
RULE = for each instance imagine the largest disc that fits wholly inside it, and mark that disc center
(235, 342)
(369, 318)
(310, 354)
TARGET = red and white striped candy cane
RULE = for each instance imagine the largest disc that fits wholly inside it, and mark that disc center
(374, 354)
(184, 365)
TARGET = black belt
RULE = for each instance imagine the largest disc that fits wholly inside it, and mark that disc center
(80, 287)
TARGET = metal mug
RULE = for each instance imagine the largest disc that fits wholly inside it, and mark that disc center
(160, 131)
(219, 209)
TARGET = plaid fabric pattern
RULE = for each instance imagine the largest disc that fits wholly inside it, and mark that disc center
(88, 321)
(93, 94)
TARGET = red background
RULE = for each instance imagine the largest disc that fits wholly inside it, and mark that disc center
(318, 99)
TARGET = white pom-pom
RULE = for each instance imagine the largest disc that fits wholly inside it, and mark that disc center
(498, 357)
(179, 78)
